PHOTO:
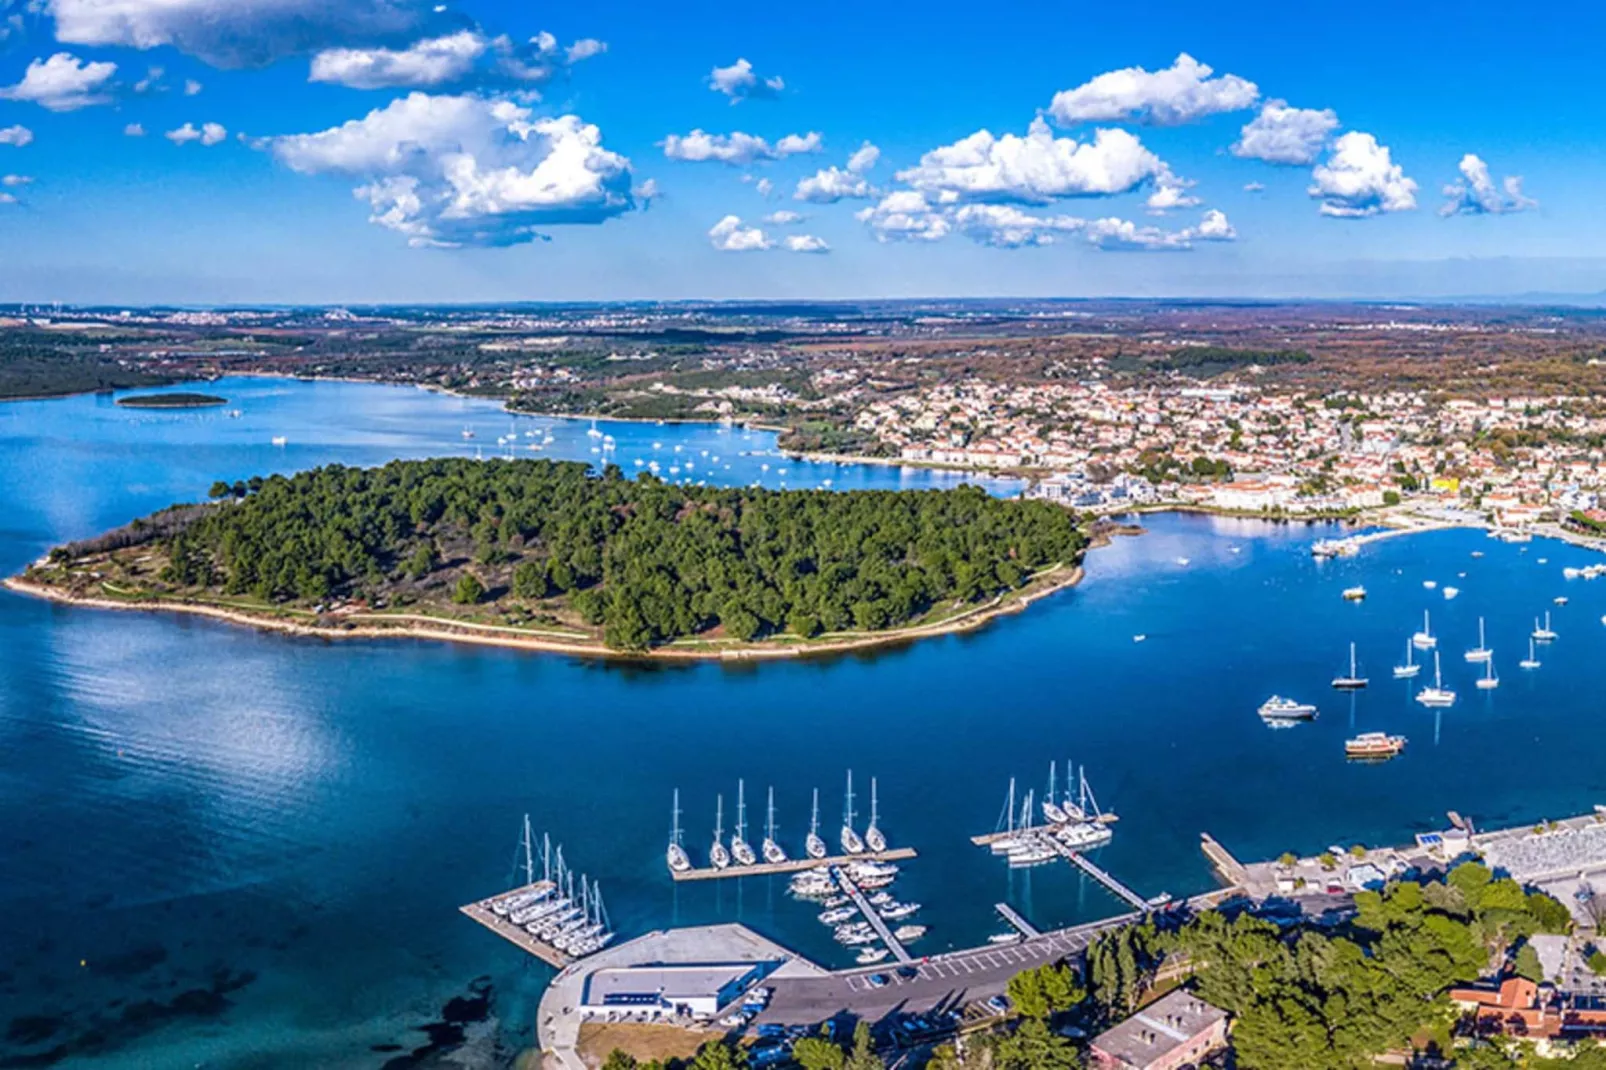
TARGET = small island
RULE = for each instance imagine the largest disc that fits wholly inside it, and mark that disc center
(553, 555)
(176, 400)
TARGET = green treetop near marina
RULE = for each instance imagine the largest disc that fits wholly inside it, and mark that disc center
(549, 545)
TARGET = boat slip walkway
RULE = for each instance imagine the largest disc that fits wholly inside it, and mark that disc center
(876, 921)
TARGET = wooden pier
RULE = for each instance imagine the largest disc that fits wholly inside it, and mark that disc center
(515, 934)
(1021, 925)
(877, 922)
(791, 865)
(1098, 873)
(1231, 870)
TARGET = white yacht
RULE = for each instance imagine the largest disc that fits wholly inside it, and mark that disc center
(1354, 681)
(772, 852)
(1424, 640)
(1531, 661)
(837, 915)
(741, 850)
(1481, 652)
(898, 911)
(676, 855)
(873, 837)
(814, 846)
(1430, 584)
(1438, 694)
(1011, 836)
(871, 955)
(1278, 708)
(1488, 681)
(1031, 854)
(851, 842)
(1053, 813)
(1410, 668)
(718, 856)
(1450, 592)
(1543, 634)
(909, 933)
(1084, 835)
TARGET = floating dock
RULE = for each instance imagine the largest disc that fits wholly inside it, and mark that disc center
(1098, 873)
(791, 865)
(1021, 925)
(877, 922)
(515, 934)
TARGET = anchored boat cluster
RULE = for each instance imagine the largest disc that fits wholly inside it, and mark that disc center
(551, 910)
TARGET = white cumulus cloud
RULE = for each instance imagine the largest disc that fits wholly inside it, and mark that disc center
(1286, 135)
(740, 82)
(1170, 192)
(468, 170)
(1359, 178)
(14, 181)
(429, 62)
(1033, 169)
(63, 83)
(1475, 192)
(17, 136)
(233, 33)
(806, 243)
(192, 87)
(1180, 93)
(785, 217)
(209, 134)
(863, 158)
(731, 235)
(832, 184)
(905, 215)
(1007, 227)
(134, 130)
(736, 149)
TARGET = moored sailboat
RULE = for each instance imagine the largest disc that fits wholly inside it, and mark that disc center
(1424, 639)
(851, 842)
(1410, 668)
(1438, 694)
(771, 850)
(676, 854)
(741, 850)
(1481, 652)
(1354, 681)
(718, 856)
(873, 837)
(814, 846)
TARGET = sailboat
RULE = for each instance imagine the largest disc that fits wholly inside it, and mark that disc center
(718, 856)
(1531, 661)
(1489, 680)
(1053, 813)
(1544, 634)
(1352, 682)
(814, 846)
(1437, 695)
(851, 843)
(1410, 668)
(676, 855)
(1480, 652)
(741, 850)
(771, 850)
(873, 837)
(1424, 640)
(1011, 838)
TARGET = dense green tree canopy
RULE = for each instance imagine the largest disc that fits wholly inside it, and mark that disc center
(647, 561)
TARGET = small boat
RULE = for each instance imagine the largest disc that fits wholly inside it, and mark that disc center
(1278, 708)
(1572, 573)
(1488, 681)
(814, 846)
(676, 855)
(1560, 599)
(1430, 584)
(837, 915)
(899, 910)
(1481, 652)
(1544, 634)
(1373, 746)
(872, 955)
(1424, 639)
(1355, 594)
(1529, 662)
(1004, 938)
(1450, 592)
(1437, 695)
(1182, 561)
(468, 432)
(771, 850)
(909, 933)
(1139, 638)
(1053, 813)
(1477, 553)
(718, 856)
(1031, 854)
(741, 850)
(1354, 681)
(1410, 668)
(873, 836)
(851, 842)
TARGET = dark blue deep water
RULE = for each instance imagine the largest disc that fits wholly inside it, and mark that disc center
(233, 849)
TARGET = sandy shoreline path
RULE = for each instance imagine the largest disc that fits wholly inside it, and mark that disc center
(404, 626)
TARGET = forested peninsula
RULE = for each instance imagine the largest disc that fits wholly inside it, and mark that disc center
(553, 554)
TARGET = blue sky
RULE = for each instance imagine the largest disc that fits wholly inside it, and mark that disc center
(396, 150)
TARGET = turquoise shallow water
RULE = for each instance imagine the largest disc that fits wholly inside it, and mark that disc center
(244, 850)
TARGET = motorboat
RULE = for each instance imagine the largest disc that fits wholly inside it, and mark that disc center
(871, 955)
(838, 915)
(1278, 708)
(1373, 746)
(909, 933)
(1355, 594)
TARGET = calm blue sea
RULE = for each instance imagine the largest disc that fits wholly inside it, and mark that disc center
(229, 849)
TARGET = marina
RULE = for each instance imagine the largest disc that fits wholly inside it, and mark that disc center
(791, 865)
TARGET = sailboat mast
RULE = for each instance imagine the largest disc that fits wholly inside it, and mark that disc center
(847, 809)
(741, 810)
(1052, 766)
(769, 830)
(873, 814)
(719, 818)
(814, 820)
(529, 856)
(1009, 806)
(674, 820)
